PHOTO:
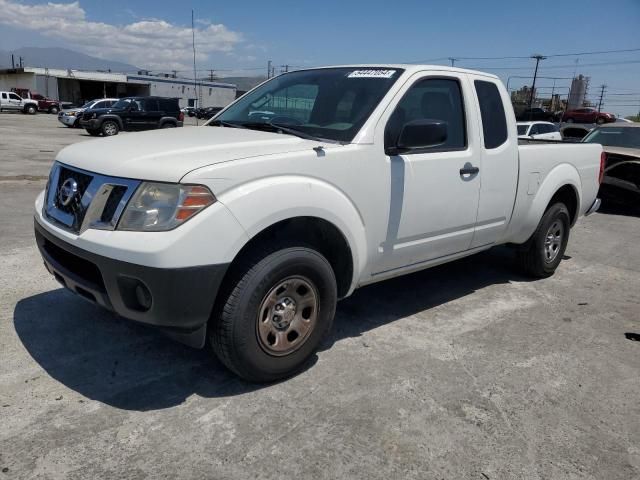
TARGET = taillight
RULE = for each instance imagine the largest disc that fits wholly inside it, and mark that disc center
(603, 161)
(181, 117)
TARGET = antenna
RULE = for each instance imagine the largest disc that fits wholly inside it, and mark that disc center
(195, 77)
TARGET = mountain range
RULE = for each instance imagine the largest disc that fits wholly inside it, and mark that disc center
(55, 57)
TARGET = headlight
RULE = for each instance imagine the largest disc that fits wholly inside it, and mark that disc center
(71, 114)
(163, 206)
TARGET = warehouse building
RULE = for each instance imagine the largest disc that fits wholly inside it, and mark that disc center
(78, 86)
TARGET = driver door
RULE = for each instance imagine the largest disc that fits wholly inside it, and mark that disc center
(435, 190)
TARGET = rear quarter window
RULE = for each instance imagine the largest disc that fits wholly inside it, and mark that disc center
(494, 120)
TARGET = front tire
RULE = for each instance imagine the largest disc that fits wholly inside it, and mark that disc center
(30, 110)
(110, 128)
(277, 307)
(543, 252)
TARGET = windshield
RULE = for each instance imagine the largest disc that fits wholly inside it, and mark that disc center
(628, 137)
(329, 103)
(121, 104)
(522, 129)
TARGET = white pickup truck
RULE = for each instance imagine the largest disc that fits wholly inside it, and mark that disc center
(10, 101)
(247, 231)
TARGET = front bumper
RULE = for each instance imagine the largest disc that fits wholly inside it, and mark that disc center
(92, 124)
(177, 300)
(67, 120)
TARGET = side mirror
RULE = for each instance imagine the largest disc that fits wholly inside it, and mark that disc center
(419, 134)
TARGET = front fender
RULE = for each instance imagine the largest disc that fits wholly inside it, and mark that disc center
(530, 206)
(261, 203)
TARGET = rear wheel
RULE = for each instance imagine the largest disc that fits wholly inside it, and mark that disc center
(277, 307)
(544, 251)
(110, 128)
(168, 125)
(53, 110)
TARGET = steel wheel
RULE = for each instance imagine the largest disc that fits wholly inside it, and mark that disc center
(553, 241)
(287, 315)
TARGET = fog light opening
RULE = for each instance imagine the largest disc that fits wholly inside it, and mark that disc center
(143, 296)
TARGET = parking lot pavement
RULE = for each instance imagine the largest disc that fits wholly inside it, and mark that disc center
(466, 370)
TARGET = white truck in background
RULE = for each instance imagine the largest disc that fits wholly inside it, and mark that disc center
(11, 101)
(247, 231)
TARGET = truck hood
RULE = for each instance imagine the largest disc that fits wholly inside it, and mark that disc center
(168, 155)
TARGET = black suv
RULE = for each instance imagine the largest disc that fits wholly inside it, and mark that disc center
(133, 113)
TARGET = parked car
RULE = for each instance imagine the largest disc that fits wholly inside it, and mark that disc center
(253, 229)
(133, 113)
(539, 131)
(11, 101)
(191, 111)
(207, 112)
(588, 115)
(71, 117)
(621, 143)
(45, 104)
(572, 133)
(530, 114)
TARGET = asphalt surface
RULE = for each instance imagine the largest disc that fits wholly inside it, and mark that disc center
(468, 370)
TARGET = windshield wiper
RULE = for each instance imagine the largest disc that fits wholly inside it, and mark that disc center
(286, 129)
(224, 123)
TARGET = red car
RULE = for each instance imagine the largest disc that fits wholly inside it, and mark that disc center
(588, 115)
(44, 104)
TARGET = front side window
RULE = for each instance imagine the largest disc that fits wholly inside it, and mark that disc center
(122, 104)
(431, 99)
(327, 103)
(494, 120)
(13, 96)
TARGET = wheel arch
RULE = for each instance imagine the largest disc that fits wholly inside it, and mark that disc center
(312, 210)
(115, 118)
(562, 183)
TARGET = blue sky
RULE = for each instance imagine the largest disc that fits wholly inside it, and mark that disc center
(239, 37)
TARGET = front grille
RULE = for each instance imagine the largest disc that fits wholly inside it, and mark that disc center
(111, 206)
(77, 200)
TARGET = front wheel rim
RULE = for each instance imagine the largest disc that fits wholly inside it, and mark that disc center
(553, 241)
(110, 129)
(287, 316)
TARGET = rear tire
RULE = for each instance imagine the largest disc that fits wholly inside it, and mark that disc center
(168, 125)
(543, 252)
(53, 110)
(110, 128)
(276, 307)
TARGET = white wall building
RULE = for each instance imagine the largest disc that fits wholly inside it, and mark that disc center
(77, 86)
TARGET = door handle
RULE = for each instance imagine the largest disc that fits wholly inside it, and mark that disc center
(469, 170)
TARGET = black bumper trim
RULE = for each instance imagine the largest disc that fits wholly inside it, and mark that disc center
(182, 298)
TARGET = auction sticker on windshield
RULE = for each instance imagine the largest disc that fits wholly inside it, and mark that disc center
(372, 74)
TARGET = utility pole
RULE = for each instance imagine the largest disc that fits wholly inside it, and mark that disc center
(269, 69)
(538, 57)
(284, 68)
(211, 76)
(602, 89)
(453, 61)
(13, 61)
(21, 62)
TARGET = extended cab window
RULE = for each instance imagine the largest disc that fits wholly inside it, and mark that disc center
(494, 121)
(433, 99)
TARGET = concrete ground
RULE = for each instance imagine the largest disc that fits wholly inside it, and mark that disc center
(465, 371)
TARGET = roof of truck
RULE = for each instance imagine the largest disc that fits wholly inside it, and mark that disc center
(409, 67)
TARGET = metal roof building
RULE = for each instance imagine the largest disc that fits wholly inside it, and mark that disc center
(78, 86)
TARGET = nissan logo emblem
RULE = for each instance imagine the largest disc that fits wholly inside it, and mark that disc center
(67, 192)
